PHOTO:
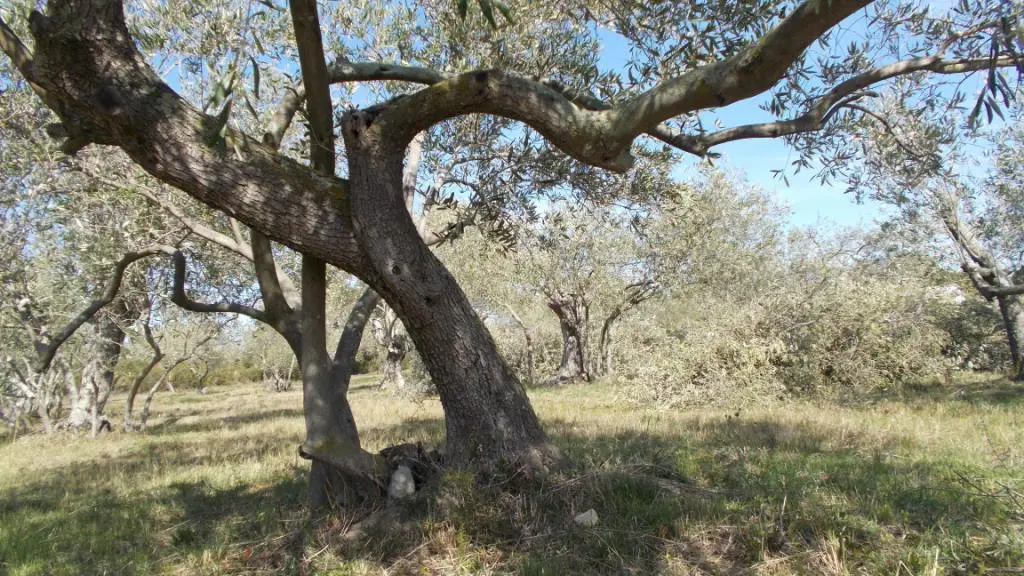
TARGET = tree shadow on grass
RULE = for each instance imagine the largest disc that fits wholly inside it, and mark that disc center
(118, 516)
(713, 496)
(170, 425)
(993, 391)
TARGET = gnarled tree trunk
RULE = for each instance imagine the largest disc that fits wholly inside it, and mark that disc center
(342, 473)
(395, 345)
(83, 48)
(97, 378)
(488, 416)
(573, 312)
(1012, 310)
(986, 274)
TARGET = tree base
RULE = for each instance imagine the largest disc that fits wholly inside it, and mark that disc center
(335, 487)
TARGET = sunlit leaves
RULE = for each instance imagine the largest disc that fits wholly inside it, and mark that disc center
(487, 8)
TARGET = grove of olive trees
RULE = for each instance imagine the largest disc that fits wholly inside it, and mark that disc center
(340, 131)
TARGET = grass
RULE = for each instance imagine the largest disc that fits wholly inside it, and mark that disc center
(926, 481)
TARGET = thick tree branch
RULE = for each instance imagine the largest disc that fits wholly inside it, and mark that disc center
(750, 72)
(351, 336)
(15, 50)
(306, 23)
(19, 54)
(602, 138)
(978, 262)
(279, 298)
(826, 105)
(181, 299)
(997, 291)
(816, 117)
(105, 93)
(45, 350)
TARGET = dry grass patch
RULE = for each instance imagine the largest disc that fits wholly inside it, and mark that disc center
(928, 481)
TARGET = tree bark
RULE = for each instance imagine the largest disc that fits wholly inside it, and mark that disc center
(344, 361)
(573, 312)
(133, 390)
(488, 416)
(605, 366)
(395, 346)
(97, 378)
(985, 274)
(391, 365)
(1012, 310)
(342, 473)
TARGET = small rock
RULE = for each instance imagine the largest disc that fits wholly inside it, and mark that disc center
(587, 519)
(402, 483)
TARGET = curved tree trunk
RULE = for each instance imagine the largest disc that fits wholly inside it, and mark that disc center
(367, 231)
(391, 365)
(488, 416)
(97, 378)
(342, 473)
(1012, 310)
(395, 345)
(573, 314)
(985, 273)
(605, 366)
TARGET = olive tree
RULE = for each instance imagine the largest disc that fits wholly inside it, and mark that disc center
(85, 64)
(922, 167)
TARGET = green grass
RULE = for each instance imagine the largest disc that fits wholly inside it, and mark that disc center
(924, 481)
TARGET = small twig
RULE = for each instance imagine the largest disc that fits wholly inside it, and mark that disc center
(317, 553)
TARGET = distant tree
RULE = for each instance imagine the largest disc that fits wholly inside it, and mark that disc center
(942, 175)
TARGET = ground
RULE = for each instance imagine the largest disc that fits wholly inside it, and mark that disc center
(926, 481)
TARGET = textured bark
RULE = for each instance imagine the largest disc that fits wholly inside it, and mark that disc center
(487, 414)
(395, 345)
(105, 93)
(97, 378)
(573, 314)
(331, 485)
(986, 274)
(87, 69)
(391, 365)
(1012, 310)
(342, 473)
(605, 363)
(136, 385)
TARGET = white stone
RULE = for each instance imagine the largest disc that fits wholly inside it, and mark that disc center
(587, 519)
(402, 483)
